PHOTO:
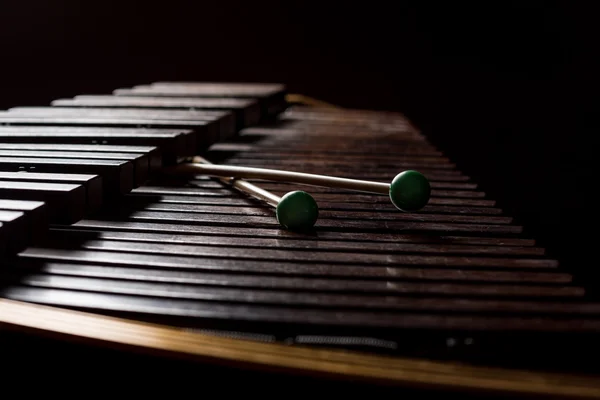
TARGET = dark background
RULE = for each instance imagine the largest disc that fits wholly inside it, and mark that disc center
(508, 89)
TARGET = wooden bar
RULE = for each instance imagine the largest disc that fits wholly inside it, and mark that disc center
(117, 176)
(153, 153)
(172, 143)
(281, 315)
(366, 274)
(16, 227)
(270, 96)
(66, 202)
(223, 120)
(409, 246)
(202, 129)
(258, 232)
(92, 183)
(317, 300)
(195, 256)
(140, 162)
(247, 110)
(36, 217)
(326, 214)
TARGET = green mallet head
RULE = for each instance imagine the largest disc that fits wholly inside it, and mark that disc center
(410, 191)
(297, 211)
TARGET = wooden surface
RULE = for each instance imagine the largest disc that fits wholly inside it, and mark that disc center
(105, 331)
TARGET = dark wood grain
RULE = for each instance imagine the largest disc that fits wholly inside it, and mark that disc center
(257, 138)
(325, 214)
(66, 202)
(299, 297)
(92, 184)
(17, 229)
(321, 235)
(206, 132)
(337, 208)
(247, 110)
(195, 255)
(35, 215)
(203, 310)
(284, 187)
(381, 166)
(443, 246)
(153, 154)
(140, 162)
(117, 176)
(143, 196)
(366, 274)
(155, 272)
(171, 142)
(322, 225)
(205, 181)
(189, 194)
(438, 197)
(225, 121)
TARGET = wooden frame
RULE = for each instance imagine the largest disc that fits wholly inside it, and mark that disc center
(166, 341)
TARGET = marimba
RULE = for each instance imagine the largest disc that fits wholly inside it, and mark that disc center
(100, 243)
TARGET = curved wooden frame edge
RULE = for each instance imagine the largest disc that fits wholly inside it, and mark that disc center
(172, 342)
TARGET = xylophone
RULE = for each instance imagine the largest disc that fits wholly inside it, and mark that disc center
(108, 235)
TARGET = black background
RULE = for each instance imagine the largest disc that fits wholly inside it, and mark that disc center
(507, 89)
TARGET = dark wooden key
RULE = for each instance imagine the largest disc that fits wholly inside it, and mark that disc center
(204, 181)
(207, 181)
(221, 124)
(389, 282)
(322, 225)
(35, 215)
(193, 313)
(302, 164)
(16, 227)
(224, 196)
(205, 132)
(381, 207)
(117, 176)
(318, 257)
(247, 111)
(224, 120)
(172, 143)
(271, 96)
(147, 204)
(241, 233)
(175, 290)
(269, 148)
(307, 244)
(153, 153)
(140, 162)
(3, 241)
(66, 203)
(92, 183)
(309, 277)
